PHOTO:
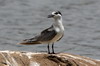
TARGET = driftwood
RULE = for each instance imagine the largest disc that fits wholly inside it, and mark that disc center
(16, 58)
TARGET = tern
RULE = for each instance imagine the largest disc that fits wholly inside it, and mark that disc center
(49, 35)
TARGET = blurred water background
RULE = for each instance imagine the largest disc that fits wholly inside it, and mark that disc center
(21, 19)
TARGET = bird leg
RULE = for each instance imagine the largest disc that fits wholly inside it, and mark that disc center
(53, 48)
(48, 49)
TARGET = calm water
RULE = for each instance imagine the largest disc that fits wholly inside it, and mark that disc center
(21, 19)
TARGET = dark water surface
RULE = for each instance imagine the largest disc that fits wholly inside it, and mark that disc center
(21, 19)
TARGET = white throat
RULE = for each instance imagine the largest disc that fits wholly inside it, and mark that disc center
(58, 25)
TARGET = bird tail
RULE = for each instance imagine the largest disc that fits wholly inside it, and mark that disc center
(29, 42)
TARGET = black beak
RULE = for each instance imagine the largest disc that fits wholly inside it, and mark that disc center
(50, 16)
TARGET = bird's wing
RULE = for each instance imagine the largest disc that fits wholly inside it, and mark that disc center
(45, 35)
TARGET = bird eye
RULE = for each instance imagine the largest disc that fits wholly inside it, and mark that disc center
(56, 13)
(59, 12)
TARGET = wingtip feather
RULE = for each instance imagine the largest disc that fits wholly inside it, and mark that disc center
(29, 42)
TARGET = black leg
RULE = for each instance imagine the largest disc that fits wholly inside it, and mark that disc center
(48, 49)
(53, 49)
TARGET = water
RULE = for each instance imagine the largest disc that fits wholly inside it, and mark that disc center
(21, 19)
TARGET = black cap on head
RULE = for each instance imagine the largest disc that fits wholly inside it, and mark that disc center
(58, 12)
(54, 14)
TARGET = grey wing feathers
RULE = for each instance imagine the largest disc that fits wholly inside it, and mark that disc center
(46, 35)
(30, 41)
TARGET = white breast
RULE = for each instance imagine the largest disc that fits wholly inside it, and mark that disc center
(59, 28)
(60, 32)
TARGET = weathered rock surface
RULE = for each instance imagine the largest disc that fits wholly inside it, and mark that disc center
(16, 58)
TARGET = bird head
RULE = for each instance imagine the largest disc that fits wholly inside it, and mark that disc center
(55, 15)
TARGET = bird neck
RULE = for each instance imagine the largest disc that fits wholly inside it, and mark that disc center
(58, 23)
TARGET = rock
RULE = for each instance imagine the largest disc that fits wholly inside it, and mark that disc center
(16, 58)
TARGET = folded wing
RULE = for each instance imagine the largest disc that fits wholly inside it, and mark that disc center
(46, 35)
